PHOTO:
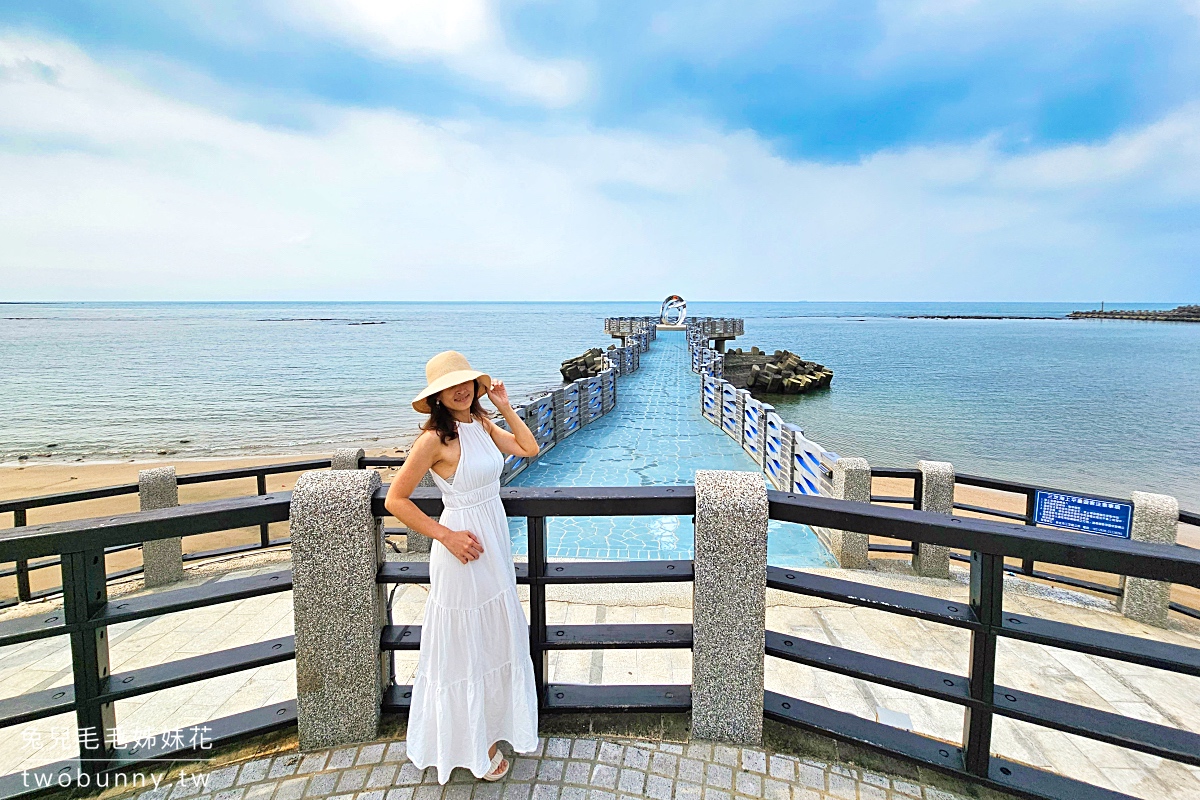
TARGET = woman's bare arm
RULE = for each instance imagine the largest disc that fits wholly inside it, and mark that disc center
(421, 456)
(520, 441)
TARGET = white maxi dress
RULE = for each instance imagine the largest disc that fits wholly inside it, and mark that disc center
(474, 682)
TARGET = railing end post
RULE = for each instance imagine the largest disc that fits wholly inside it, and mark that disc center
(162, 559)
(347, 458)
(937, 496)
(729, 606)
(1155, 519)
(339, 607)
(851, 481)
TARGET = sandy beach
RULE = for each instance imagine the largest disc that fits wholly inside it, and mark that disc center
(50, 478)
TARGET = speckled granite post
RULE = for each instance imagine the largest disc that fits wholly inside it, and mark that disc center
(1155, 519)
(337, 547)
(729, 606)
(851, 481)
(419, 543)
(937, 496)
(162, 559)
(347, 458)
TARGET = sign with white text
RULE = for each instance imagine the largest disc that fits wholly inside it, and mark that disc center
(1087, 514)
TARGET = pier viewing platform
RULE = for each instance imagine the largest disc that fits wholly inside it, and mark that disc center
(720, 609)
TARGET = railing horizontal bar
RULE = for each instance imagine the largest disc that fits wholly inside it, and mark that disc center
(1118, 646)
(1052, 577)
(400, 637)
(584, 697)
(1026, 489)
(570, 501)
(1065, 580)
(942, 756)
(1033, 782)
(397, 699)
(1187, 611)
(600, 637)
(207, 594)
(570, 637)
(382, 461)
(121, 685)
(142, 526)
(1172, 563)
(571, 572)
(992, 512)
(1189, 517)
(883, 498)
(36, 705)
(562, 572)
(895, 472)
(908, 604)
(1104, 726)
(403, 572)
(253, 472)
(239, 548)
(219, 731)
(892, 548)
(31, 628)
(78, 496)
(863, 732)
(101, 492)
(919, 680)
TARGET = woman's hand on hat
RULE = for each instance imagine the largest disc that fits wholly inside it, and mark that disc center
(462, 545)
(498, 394)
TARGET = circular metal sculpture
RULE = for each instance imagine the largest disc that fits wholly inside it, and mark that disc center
(674, 305)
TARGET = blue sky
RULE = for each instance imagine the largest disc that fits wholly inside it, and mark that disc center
(412, 149)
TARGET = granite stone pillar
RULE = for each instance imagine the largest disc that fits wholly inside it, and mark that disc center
(937, 496)
(162, 559)
(851, 481)
(729, 606)
(347, 458)
(1155, 519)
(337, 547)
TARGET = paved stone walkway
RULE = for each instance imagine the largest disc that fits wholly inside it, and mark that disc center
(564, 768)
(1139, 692)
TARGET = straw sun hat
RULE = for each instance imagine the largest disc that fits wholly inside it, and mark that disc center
(445, 370)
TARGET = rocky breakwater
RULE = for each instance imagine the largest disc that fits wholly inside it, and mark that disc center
(782, 372)
(588, 365)
(1178, 314)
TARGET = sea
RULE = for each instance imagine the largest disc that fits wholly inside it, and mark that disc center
(1099, 406)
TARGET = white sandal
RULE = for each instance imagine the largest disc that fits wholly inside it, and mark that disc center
(497, 760)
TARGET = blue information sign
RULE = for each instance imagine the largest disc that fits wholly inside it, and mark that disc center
(1088, 514)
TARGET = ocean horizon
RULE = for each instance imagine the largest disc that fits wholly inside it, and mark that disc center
(1098, 406)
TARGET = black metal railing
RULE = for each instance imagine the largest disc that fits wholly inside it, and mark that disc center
(1028, 567)
(87, 614)
(20, 508)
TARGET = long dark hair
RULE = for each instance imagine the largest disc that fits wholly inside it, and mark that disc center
(443, 422)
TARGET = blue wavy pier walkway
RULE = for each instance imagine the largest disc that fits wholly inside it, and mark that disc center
(655, 436)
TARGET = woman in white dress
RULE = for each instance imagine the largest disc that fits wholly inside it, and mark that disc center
(474, 684)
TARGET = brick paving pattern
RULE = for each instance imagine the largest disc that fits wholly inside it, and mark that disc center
(563, 768)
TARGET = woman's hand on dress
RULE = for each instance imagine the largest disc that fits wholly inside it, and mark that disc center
(498, 394)
(463, 545)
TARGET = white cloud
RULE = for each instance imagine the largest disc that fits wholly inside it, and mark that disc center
(462, 34)
(110, 190)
